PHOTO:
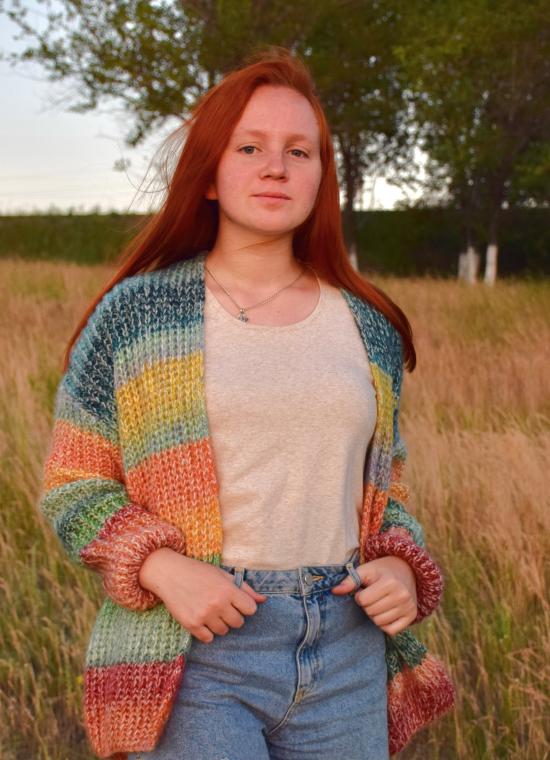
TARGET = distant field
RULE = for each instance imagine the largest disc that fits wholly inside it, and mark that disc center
(476, 420)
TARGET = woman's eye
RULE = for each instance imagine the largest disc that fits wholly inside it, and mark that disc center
(251, 148)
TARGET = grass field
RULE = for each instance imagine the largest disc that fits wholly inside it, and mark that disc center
(476, 418)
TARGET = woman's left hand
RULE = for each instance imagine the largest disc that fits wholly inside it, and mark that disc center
(389, 598)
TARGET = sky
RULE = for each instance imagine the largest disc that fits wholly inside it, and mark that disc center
(51, 158)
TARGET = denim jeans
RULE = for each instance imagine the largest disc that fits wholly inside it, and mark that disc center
(303, 678)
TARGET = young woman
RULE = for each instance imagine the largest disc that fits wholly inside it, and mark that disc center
(226, 454)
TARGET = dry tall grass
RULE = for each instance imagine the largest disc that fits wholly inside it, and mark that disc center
(475, 416)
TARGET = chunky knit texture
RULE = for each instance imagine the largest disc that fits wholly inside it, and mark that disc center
(130, 468)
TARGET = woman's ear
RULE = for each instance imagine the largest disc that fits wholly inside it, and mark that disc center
(211, 193)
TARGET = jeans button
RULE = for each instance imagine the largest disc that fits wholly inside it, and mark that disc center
(308, 578)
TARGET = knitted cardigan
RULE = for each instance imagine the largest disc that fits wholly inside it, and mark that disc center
(130, 468)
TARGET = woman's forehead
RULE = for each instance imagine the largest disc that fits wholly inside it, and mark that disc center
(278, 112)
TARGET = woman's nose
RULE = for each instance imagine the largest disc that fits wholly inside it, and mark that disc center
(275, 165)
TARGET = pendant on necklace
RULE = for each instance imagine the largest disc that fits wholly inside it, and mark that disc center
(242, 316)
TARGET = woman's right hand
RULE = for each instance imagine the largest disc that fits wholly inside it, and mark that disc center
(202, 597)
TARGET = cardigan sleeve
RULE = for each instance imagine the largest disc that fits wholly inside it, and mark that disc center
(83, 493)
(401, 534)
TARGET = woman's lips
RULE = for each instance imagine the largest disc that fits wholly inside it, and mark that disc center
(266, 197)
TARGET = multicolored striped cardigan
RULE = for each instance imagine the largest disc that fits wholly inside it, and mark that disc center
(130, 468)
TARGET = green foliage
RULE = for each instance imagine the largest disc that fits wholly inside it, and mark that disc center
(421, 241)
(478, 78)
(408, 242)
(83, 239)
(466, 81)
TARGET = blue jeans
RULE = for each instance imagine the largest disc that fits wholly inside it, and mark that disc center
(303, 678)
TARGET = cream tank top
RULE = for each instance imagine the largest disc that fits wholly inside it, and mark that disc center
(291, 411)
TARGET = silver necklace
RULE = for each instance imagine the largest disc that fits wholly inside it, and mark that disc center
(242, 310)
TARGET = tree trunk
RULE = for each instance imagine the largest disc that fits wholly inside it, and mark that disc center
(468, 261)
(468, 264)
(348, 218)
(472, 265)
(352, 181)
(491, 264)
(353, 256)
(492, 252)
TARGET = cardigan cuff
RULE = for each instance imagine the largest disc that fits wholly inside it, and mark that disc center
(121, 547)
(429, 578)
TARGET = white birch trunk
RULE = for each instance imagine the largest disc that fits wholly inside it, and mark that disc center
(491, 264)
(353, 256)
(468, 265)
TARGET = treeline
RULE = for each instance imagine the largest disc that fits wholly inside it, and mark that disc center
(463, 83)
(408, 242)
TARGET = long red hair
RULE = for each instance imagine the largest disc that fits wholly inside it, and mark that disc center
(187, 222)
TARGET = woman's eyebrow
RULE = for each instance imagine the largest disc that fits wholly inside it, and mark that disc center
(261, 133)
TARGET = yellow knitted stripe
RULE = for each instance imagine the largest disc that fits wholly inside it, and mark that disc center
(165, 394)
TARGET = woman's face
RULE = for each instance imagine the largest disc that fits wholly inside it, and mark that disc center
(274, 148)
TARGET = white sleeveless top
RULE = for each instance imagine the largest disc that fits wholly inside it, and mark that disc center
(291, 411)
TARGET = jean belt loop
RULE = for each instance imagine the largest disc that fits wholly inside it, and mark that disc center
(239, 575)
(354, 574)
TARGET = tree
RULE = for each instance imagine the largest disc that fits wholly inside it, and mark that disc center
(479, 73)
(351, 56)
(158, 58)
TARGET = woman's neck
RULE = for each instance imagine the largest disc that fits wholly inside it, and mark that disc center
(253, 270)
